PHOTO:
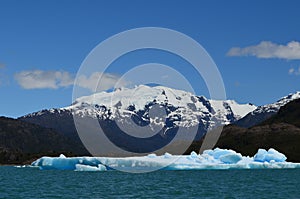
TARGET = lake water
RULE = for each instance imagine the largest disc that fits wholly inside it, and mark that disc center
(34, 183)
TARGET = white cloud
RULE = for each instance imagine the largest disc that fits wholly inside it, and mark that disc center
(267, 49)
(38, 79)
(293, 71)
(106, 82)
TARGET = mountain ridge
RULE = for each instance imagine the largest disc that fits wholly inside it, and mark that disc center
(262, 113)
(189, 106)
(164, 111)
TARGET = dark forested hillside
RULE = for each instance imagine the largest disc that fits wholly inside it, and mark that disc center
(20, 141)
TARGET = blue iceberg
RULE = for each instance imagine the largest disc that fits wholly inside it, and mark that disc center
(267, 156)
(210, 159)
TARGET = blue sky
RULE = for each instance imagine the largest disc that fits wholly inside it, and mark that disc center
(255, 45)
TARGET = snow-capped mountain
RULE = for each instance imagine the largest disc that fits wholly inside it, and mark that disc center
(181, 108)
(155, 113)
(134, 107)
(262, 113)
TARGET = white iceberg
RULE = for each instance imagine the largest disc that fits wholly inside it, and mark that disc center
(210, 159)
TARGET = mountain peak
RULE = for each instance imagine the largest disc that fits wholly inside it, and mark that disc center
(137, 101)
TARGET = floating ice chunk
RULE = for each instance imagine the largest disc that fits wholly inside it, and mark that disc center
(231, 158)
(167, 155)
(151, 155)
(62, 156)
(260, 155)
(267, 156)
(194, 155)
(216, 153)
(224, 155)
(58, 163)
(22, 166)
(64, 163)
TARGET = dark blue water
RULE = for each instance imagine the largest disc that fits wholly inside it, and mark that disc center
(33, 183)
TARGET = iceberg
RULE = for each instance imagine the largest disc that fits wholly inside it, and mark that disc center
(210, 159)
(266, 156)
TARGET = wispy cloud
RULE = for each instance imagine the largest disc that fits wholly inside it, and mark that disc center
(39, 79)
(293, 71)
(2, 65)
(267, 49)
(99, 81)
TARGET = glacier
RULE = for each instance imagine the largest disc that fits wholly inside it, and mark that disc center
(210, 159)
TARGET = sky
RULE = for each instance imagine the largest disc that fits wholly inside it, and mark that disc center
(255, 45)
